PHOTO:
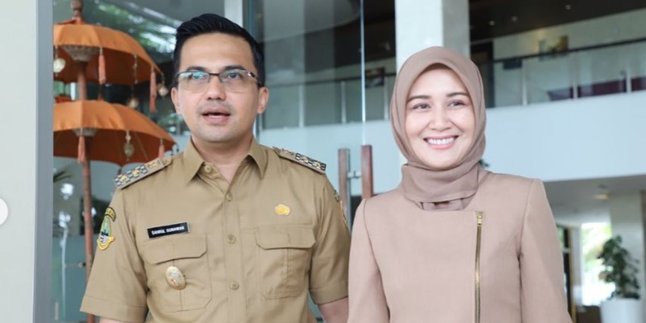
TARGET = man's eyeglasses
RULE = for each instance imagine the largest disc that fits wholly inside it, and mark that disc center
(234, 80)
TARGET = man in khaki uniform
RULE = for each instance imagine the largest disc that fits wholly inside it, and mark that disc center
(229, 230)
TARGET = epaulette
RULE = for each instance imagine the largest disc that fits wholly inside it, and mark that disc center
(141, 171)
(301, 159)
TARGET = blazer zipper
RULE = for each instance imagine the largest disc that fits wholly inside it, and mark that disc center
(479, 216)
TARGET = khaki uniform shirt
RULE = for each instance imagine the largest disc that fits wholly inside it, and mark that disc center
(179, 244)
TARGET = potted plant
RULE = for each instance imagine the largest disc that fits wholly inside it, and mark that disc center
(620, 269)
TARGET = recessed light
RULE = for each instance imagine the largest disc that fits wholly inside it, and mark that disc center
(514, 18)
(568, 7)
(492, 23)
(601, 196)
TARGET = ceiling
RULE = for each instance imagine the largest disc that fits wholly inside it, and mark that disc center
(495, 18)
(582, 201)
(488, 18)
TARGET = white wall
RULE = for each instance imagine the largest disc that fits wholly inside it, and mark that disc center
(627, 220)
(25, 172)
(575, 139)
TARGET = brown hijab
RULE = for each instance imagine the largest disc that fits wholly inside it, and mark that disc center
(420, 183)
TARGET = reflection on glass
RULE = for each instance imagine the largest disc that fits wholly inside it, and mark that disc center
(576, 74)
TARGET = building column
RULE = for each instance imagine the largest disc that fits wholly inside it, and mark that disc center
(26, 88)
(420, 24)
(234, 11)
(628, 219)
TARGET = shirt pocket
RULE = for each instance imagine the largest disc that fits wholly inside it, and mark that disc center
(283, 260)
(188, 254)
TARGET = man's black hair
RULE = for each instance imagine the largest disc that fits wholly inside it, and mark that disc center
(212, 23)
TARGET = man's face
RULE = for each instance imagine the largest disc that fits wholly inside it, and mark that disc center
(215, 112)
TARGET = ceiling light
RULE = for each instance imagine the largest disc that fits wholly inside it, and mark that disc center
(492, 23)
(514, 18)
(568, 7)
(601, 196)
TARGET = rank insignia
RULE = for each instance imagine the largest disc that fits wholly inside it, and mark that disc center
(141, 171)
(281, 209)
(105, 234)
(302, 159)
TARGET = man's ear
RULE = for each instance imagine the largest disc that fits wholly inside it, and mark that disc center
(263, 98)
(175, 99)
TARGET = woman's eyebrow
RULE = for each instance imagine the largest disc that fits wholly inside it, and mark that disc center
(452, 94)
(421, 96)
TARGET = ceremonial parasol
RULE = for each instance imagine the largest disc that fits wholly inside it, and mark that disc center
(120, 134)
(86, 52)
(98, 130)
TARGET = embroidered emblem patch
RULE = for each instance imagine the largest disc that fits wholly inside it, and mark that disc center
(281, 209)
(105, 234)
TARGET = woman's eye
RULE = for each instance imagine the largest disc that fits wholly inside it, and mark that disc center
(420, 106)
(456, 103)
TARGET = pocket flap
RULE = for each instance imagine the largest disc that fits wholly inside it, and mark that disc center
(285, 237)
(166, 249)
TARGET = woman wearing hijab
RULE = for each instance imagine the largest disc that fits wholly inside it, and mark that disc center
(453, 243)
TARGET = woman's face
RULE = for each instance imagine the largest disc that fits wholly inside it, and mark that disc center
(440, 122)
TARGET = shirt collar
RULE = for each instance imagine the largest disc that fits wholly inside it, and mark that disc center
(192, 160)
(259, 156)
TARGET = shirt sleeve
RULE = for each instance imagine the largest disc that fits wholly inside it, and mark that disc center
(117, 285)
(541, 263)
(367, 301)
(329, 267)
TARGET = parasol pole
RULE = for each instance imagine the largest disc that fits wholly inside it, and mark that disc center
(81, 80)
(88, 228)
(85, 142)
(81, 57)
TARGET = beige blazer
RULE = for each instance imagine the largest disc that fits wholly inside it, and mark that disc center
(496, 261)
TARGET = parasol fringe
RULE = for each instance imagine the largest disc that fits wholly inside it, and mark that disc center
(153, 90)
(102, 77)
(162, 150)
(81, 149)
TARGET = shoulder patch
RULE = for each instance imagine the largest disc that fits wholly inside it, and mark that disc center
(301, 159)
(141, 171)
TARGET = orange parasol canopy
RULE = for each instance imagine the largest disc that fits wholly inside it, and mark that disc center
(113, 123)
(126, 62)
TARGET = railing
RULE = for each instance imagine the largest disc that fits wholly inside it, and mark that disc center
(582, 72)
(327, 102)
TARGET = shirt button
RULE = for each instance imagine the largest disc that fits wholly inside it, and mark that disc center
(228, 197)
(231, 239)
(234, 285)
(208, 169)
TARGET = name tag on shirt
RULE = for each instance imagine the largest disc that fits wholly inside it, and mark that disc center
(166, 230)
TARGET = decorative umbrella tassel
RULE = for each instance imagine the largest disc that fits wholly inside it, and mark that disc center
(102, 77)
(153, 91)
(162, 150)
(81, 149)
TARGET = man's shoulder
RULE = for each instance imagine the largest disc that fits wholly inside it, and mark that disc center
(300, 159)
(141, 172)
